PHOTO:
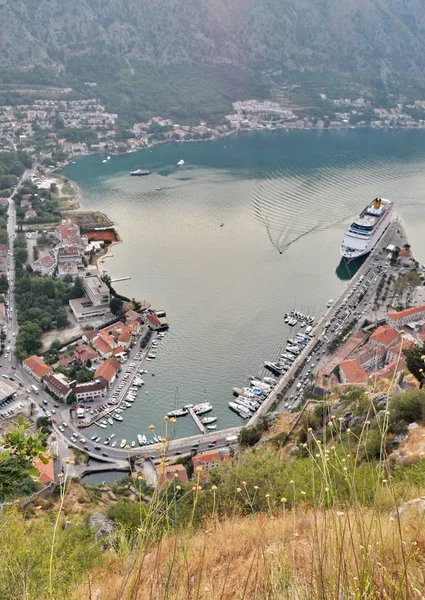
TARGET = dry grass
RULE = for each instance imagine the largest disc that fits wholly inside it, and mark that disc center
(301, 555)
(413, 449)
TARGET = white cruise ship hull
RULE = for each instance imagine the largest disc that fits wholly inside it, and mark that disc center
(355, 247)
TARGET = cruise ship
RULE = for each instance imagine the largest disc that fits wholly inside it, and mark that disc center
(364, 233)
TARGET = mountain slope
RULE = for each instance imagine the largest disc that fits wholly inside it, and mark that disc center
(352, 35)
(379, 44)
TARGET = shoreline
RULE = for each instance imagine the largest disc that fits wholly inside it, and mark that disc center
(225, 135)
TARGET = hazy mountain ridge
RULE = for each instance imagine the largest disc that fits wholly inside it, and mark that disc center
(358, 36)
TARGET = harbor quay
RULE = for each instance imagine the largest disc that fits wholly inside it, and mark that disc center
(393, 235)
(220, 438)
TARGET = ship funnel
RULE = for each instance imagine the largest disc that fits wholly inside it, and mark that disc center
(377, 203)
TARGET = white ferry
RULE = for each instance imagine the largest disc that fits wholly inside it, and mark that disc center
(364, 233)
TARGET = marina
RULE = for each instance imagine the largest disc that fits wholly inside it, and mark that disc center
(196, 419)
(220, 332)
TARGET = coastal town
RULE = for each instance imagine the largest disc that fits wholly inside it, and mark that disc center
(57, 128)
(90, 370)
(86, 363)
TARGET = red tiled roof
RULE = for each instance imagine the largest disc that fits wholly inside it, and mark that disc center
(353, 371)
(106, 337)
(153, 320)
(396, 366)
(400, 346)
(404, 253)
(406, 313)
(108, 369)
(101, 345)
(206, 458)
(66, 360)
(125, 335)
(37, 366)
(84, 353)
(166, 473)
(118, 350)
(47, 472)
(31, 361)
(385, 335)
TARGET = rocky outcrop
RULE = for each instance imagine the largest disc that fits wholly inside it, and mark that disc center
(103, 526)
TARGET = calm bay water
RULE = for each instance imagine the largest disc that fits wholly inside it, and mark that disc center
(205, 246)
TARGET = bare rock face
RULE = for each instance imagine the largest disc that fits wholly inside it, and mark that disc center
(411, 508)
(103, 526)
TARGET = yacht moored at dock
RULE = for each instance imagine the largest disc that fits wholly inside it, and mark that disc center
(204, 407)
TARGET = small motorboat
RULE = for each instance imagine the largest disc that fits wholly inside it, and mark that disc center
(211, 426)
(208, 420)
(180, 163)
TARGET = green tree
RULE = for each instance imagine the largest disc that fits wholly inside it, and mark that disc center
(116, 305)
(61, 318)
(77, 290)
(415, 363)
(4, 284)
(83, 375)
(44, 424)
(18, 448)
(21, 255)
(28, 340)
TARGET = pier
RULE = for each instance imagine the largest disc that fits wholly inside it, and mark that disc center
(196, 419)
(120, 279)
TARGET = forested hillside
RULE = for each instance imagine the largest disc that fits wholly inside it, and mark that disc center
(191, 54)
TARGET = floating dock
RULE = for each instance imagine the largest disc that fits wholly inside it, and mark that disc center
(196, 419)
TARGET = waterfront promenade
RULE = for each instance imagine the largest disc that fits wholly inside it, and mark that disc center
(288, 379)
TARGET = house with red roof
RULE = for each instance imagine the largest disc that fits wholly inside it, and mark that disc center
(108, 370)
(384, 336)
(58, 385)
(29, 214)
(396, 351)
(46, 471)
(409, 315)
(210, 459)
(153, 322)
(370, 357)
(396, 366)
(46, 263)
(169, 473)
(124, 339)
(66, 230)
(36, 367)
(351, 371)
(84, 353)
(102, 347)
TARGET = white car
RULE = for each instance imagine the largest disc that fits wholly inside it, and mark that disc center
(82, 440)
(61, 428)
